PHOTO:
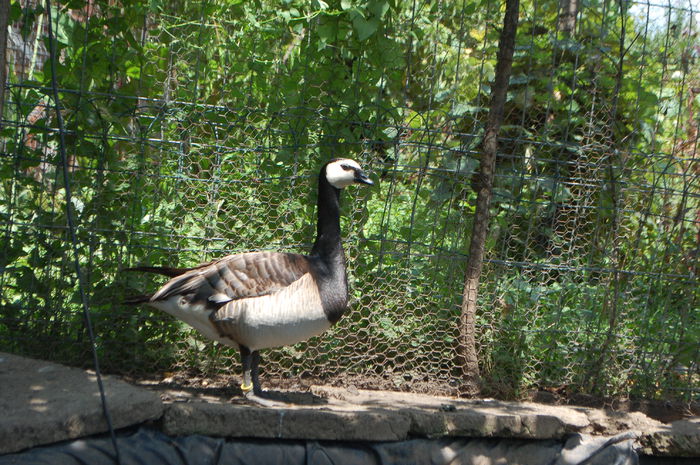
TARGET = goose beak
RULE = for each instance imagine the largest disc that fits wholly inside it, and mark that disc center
(362, 178)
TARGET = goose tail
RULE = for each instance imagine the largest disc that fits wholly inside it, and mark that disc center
(167, 271)
(137, 299)
(164, 270)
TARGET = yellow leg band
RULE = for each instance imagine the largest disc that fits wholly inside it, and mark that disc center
(246, 387)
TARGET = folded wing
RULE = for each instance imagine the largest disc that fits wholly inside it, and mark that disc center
(235, 277)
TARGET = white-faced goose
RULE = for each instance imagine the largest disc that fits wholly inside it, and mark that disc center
(258, 300)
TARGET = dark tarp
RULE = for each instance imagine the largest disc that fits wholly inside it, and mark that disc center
(151, 447)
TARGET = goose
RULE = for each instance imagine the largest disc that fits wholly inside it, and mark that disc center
(258, 300)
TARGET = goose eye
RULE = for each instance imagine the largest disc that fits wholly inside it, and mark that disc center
(346, 167)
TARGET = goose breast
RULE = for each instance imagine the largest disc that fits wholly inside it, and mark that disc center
(290, 315)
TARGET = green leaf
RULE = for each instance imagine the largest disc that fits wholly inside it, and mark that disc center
(133, 71)
(391, 132)
(462, 109)
(365, 28)
(378, 8)
(328, 31)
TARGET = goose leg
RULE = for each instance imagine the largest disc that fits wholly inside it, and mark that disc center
(251, 380)
(255, 356)
(246, 360)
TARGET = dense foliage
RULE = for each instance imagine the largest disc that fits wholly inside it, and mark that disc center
(194, 130)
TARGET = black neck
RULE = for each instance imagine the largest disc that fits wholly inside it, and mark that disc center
(327, 245)
(330, 268)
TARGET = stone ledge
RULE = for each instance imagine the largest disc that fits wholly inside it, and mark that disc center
(240, 421)
(358, 415)
(45, 402)
(679, 439)
(447, 417)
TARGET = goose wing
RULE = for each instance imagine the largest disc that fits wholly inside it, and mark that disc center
(235, 277)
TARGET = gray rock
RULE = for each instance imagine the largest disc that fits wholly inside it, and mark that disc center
(229, 420)
(374, 416)
(679, 439)
(433, 417)
(46, 402)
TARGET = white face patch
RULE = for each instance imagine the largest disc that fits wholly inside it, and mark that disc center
(340, 173)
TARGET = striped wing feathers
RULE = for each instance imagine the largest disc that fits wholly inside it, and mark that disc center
(235, 277)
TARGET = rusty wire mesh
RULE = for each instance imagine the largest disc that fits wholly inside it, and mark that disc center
(198, 130)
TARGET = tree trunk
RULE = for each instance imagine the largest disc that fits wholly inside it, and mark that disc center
(506, 45)
(568, 9)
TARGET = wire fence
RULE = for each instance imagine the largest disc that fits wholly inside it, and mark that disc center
(196, 129)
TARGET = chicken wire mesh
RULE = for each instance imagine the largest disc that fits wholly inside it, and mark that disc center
(196, 129)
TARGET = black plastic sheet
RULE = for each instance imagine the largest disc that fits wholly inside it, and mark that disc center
(151, 447)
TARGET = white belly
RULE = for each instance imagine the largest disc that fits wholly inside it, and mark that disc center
(291, 315)
(196, 316)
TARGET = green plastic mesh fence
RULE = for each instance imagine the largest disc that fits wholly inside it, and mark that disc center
(196, 129)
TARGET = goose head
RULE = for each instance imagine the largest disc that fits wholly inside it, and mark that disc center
(342, 172)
